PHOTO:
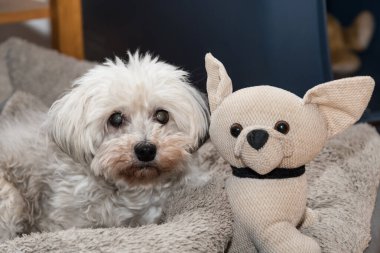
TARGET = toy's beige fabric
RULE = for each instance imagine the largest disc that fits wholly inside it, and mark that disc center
(270, 225)
(269, 211)
(216, 73)
(341, 101)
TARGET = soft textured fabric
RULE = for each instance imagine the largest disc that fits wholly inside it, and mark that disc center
(308, 123)
(341, 101)
(343, 181)
(263, 128)
(41, 72)
(6, 88)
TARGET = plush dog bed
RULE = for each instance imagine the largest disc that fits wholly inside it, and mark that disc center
(195, 220)
(343, 180)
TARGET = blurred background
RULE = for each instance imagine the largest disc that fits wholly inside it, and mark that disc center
(293, 45)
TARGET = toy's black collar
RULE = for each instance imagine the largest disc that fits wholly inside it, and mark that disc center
(278, 173)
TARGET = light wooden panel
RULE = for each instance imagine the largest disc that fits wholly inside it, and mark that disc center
(12, 11)
(67, 31)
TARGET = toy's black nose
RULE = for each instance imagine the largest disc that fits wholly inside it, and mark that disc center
(257, 138)
(145, 151)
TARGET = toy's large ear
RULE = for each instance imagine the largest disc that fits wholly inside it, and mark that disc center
(341, 102)
(219, 84)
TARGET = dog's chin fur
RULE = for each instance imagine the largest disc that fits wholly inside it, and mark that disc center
(116, 161)
(85, 173)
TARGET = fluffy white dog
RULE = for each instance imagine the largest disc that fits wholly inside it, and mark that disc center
(117, 145)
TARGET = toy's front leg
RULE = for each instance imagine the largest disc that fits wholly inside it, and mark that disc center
(309, 218)
(268, 211)
(241, 243)
(279, 238)
(285, 238)
(243, 240)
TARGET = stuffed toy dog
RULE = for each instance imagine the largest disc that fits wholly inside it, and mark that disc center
(268, 135)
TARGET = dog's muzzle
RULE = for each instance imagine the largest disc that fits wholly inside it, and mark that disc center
(145, 151)
(262, 148)
(257, 138)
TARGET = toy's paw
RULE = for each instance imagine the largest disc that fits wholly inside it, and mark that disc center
(241, 240)
(309, 218)
(285, 238)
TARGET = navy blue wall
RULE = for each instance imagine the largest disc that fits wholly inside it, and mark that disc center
(282, 43)
(276, 42)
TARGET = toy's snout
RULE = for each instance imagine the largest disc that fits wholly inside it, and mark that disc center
(262, 148)
(257, 138)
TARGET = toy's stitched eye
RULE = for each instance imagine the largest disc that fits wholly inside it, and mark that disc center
(161, 116)
(116, 119)
(236, 129)
(282, 127)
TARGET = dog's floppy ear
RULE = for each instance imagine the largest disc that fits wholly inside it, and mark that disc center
(341, 102)
(67, 126)
(219, 84)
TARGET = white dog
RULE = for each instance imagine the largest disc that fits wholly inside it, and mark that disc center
(117, 145)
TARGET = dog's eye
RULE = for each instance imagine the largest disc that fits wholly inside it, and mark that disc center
(161, 116)
(236, 129)
(282, 127)
(116, 119)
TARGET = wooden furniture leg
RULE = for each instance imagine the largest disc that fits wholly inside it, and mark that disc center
(66, 24)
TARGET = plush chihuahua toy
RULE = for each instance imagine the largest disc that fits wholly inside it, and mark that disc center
(268, 135)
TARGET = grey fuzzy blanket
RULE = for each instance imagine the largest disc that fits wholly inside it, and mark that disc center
(343, 182)
(197, 220)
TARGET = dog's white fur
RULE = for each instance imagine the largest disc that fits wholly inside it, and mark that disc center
(85, 173)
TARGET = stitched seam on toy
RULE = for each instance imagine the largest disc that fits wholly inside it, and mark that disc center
(278, 173)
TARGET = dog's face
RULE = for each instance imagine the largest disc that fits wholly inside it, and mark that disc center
(264, 127)
(267, 131)
(136, 122)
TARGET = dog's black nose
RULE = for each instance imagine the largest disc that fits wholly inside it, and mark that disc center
(257, 138)
(145, 151)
